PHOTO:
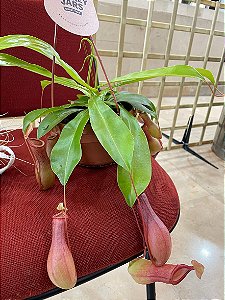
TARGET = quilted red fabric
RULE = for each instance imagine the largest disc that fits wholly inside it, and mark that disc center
(21, 89)
(102, 228)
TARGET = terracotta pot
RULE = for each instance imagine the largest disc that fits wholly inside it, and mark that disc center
(93, 154)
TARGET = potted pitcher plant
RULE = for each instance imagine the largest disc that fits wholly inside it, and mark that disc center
(101, 126)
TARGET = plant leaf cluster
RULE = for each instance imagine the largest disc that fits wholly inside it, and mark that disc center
(118, 132)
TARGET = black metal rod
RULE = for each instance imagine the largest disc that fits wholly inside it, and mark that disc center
(176, 142)
(185, 141)
(187, 133)
(84, 279)
(150, 288)
(188, 149)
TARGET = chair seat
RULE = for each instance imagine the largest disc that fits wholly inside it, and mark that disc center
(102, 228)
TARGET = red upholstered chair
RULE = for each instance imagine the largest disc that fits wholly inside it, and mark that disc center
(102, 228)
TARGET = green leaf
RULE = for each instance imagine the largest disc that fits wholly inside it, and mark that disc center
(67, 153)
(140, 102)
(38, 113)
(53, 119)
(141, 163)
(207, 74)
(89, 41)
(71, 84)
(45, 83)
(42, 47)
(176, 71)
(7, 60)
(81, 101)
(111, 132)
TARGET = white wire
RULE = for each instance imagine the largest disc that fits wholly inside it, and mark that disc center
(10, 157)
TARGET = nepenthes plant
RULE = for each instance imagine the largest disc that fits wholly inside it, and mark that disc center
(108, 112)
(126, 126)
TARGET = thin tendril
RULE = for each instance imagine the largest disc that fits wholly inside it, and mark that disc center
(89, 75)
(64, 197)
(53, 66)
(104, 71)
(144, 244)
(93, 72)
(66, 225)
(42, 95)
(214, 90)
(132, 182)
(89, 70)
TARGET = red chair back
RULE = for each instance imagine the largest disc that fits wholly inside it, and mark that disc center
(21, 89)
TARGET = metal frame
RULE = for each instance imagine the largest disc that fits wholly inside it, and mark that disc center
(187, 58)
(146, 41)
(167, 54)
(121, 37)
(83, 279)
(172, 27)
(211, 104)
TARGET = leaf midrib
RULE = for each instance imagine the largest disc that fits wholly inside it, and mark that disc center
(112, 138)
(69, 150)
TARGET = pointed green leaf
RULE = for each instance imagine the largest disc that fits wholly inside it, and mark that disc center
(206, 74)
(7, 60)
(38, 113)
(42, 47)
(139, 102)
(111, 132)
(67, 153)
(80, 101)
(176, 71)
(141, 163)
(45, 83)
(53, 119)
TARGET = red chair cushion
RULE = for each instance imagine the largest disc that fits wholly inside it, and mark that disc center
(102, 228)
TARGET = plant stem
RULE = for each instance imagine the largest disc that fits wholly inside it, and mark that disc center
(106, 76)
(132, 182)
(65, 207)
(53, 66)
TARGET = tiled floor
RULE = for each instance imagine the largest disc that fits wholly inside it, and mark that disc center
(198, 235)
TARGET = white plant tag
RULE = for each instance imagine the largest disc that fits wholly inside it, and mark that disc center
(76, 16)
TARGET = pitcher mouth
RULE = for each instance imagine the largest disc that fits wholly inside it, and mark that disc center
(36, 142)
(60, 215)
(179, 273)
